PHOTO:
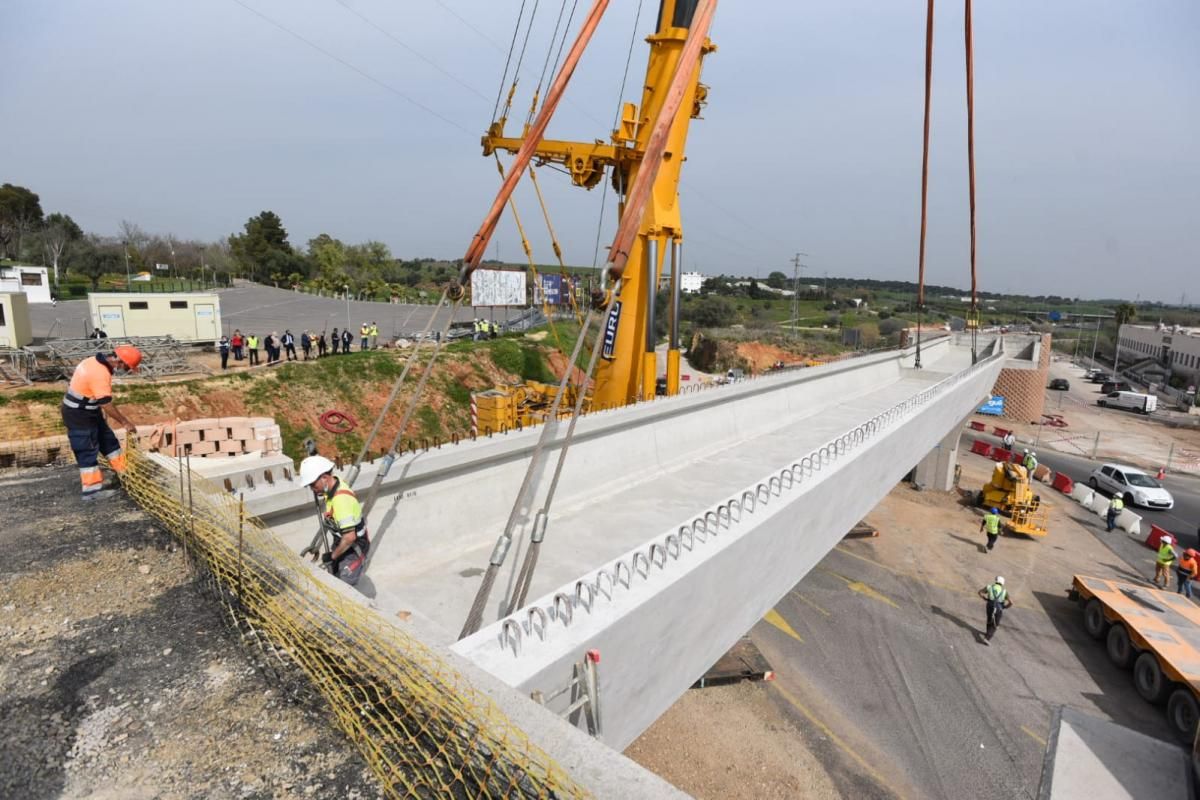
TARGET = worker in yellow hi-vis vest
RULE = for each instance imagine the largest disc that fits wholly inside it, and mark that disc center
(991, 525)
(342, 518)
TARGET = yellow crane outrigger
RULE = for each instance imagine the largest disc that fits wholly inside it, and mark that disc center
(627, 370)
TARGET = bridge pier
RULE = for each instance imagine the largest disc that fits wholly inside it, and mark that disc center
(936, 470)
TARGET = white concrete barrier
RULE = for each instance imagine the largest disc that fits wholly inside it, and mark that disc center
(1080, 493)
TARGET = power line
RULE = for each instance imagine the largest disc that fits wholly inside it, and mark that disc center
(348, 65)
(410, 49)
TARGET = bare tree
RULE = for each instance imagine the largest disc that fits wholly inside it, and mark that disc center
(60, 232)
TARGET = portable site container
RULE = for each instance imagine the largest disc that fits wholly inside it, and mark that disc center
(187, 316)
(15, 330)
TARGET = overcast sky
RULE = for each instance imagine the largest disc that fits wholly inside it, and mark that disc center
(188, 116)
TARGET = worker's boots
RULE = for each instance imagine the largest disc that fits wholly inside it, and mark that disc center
(100, 496)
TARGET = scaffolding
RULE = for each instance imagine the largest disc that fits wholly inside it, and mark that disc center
(57, 358)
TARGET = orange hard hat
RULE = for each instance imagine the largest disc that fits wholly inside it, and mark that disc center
(130, 356)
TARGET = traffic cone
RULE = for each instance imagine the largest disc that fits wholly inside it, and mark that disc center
(1162, 473)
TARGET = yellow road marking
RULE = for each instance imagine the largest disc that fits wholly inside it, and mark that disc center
(1036, 738)
(775, 618)
(806, 601)
(904, 574)
(833, 737)
(863, 589)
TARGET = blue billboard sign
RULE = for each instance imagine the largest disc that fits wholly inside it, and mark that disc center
(994, 406)
(552, 290)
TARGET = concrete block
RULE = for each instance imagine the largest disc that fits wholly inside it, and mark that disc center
(253, 446)
(1129, 521)
(204, 448)
(196, 424)
(266, 432)
(241, 432)
(229, 446)
(187, 437)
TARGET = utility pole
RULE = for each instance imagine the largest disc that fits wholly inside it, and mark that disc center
(796, 267)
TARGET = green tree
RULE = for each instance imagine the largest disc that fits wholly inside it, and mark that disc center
(711, 312)
(777, 280)
(263, 249)
(1124, 313)
(20, 214)
(95, 257)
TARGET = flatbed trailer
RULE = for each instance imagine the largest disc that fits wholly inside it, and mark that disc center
(1157, 633)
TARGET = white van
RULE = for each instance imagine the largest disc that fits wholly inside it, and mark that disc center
(1134, 401)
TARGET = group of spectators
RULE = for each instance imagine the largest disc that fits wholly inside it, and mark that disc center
(312, 344)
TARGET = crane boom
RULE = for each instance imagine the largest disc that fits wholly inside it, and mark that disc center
(652, 233)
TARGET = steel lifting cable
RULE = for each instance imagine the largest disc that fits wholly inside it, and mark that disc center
(967, 35)
(618, 255)
(537, 280)
(352, 476)
(562, 266)
(524, 495)
(616, 121)
(389, 457)
(520, 58)
(546, 64)
(507, 61)
(924, 179)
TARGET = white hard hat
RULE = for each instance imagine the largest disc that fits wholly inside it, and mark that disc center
(314, 467)
(1026, 449)
(1000, 579)
(1166, 540)
(1033, 454)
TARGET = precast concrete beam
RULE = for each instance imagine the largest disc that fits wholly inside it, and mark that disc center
(936, 470)
(663, 613)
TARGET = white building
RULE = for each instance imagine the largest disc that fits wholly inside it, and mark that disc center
(690, 282)
(1173, 347)
(188, 316)
(30, 280)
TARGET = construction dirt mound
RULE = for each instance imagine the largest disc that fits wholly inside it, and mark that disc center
(121, 679)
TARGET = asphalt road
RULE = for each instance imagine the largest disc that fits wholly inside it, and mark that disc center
(878, 654)
(262, 309)
(1182, 520)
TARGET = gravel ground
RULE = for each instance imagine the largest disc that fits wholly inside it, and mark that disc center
(120, 678)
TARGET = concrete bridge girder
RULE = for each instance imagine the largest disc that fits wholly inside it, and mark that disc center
(679, 608)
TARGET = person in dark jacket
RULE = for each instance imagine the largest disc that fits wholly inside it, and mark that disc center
(347, 338)
(335, 340)
(306, 344)
(321, 344)
(289, 344)
(223, 347)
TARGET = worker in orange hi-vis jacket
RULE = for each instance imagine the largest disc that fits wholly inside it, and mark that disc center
(86, 405)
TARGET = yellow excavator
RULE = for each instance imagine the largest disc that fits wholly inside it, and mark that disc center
(1011, 492)
(654, 131)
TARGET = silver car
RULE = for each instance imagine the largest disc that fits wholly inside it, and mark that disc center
(1136, 487)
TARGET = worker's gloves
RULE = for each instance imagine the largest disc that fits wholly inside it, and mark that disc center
(326, 557)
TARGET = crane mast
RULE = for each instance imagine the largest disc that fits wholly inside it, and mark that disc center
(628, 370)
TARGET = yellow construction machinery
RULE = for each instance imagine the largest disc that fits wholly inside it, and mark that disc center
(516, 405)
(1010, 491)
(653, 132)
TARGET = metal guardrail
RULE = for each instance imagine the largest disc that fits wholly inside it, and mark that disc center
(566, 607)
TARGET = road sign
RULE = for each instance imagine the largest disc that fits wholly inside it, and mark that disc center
(1055, 316)
(162, 267)
(994, 406)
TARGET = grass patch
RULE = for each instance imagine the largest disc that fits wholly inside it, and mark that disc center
(430, 423)
(458, 394)
(522, 358)
(40, 395)
(293, 438)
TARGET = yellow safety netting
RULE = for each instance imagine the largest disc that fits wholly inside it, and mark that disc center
(425, 731)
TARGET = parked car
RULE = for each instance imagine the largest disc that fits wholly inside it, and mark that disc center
(1100, 377)
(1060, 384)
(1136, 488)
(1116, 386)
(1132, 401)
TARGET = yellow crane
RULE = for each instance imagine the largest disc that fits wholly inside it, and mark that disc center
(627, 370)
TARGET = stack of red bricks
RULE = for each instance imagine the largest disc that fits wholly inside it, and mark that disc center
(214, 437)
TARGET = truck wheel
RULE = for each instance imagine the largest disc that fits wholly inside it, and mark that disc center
(1149, 680)
(1120, 648)
(1183, 712)
(1093, 619)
